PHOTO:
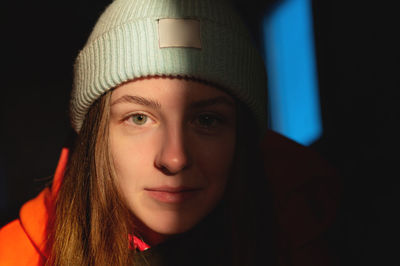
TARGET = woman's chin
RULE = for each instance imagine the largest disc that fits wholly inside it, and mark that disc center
(166, 219)
(156, 232)
(171, 225)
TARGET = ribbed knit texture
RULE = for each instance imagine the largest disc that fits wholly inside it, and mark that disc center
(124, 45)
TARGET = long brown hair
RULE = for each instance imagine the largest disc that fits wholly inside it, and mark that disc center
(91, 223)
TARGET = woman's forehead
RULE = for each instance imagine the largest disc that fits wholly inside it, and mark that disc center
(169, 89)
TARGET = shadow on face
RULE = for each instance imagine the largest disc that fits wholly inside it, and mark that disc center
(172, 142)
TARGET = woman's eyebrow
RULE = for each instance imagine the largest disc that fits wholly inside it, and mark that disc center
(138, 100)
(220, 100)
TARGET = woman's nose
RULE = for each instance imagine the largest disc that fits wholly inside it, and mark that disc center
(173, 156)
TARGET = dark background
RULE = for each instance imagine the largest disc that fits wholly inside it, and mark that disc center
(358, 63)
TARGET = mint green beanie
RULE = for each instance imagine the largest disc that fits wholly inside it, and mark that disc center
(200, 39)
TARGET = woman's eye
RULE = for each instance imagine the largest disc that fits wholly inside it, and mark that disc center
(138, 119)
(207, 121)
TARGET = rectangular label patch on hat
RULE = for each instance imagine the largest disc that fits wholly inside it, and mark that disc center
(174, 32)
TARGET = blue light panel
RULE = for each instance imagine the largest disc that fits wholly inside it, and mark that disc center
(290, 60)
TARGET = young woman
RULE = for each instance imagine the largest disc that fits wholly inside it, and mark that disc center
(169, 107)
(160, 152)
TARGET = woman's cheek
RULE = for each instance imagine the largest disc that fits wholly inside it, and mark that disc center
(217, 155)
(215, 163)
(132, 158)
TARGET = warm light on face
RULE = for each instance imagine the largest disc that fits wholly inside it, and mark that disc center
(172, 142)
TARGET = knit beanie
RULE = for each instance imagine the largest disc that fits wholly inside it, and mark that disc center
(200, 39)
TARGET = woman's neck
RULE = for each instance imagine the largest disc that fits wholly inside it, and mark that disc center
(149, 236)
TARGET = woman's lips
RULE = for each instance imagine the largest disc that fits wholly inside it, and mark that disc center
(172, 194)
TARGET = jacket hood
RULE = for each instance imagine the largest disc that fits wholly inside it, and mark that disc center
(35, 213)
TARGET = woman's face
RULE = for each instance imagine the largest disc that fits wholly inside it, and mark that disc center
(172, 142)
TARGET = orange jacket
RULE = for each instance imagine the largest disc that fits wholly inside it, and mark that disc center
(297, 176)
(22, 242)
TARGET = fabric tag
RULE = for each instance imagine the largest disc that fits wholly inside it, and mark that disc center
(179, 33)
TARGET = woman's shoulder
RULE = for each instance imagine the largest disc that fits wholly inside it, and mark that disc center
(22, 241)
(306, 195)
(15, 246)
